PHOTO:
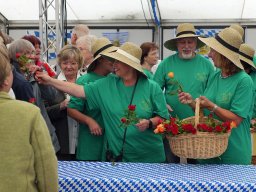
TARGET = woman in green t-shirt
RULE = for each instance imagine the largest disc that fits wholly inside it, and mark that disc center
(228, 95)
(113, 95)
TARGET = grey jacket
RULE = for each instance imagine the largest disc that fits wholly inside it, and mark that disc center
(41, 93)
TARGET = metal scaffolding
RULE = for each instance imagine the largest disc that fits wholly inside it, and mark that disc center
(51, 31)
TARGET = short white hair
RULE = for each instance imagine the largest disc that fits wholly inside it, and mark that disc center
(87, 41)
(80, 30)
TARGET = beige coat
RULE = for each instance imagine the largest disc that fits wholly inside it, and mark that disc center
(27, 157)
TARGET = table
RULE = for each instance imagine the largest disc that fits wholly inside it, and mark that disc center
(103, 176)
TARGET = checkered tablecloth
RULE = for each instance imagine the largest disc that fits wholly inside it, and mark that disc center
(103, 176)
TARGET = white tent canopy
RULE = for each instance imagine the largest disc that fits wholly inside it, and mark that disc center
(120, 10)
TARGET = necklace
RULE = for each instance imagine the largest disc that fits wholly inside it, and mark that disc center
(224, 77)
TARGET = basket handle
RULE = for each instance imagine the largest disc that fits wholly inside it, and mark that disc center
(197, 111)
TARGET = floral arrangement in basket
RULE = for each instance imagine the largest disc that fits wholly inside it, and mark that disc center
(197, 137)
(174, 126)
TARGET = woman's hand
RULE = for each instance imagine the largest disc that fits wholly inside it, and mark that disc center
(185, 98)
(42, 78)
(206, 103)
(94, 127)
(64, 104)
(143, 124)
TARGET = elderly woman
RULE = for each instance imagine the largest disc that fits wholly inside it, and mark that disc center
(28, 162)
(85, 43)
(149, 57)
(70, 61)
(22, 54)
(228, 95)
(37, 45)
(112, 96)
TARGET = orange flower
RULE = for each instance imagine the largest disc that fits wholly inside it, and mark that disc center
(171, 75)
(233, 124)
(160, 128)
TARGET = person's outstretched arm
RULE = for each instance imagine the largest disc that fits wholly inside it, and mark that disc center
(67, 87)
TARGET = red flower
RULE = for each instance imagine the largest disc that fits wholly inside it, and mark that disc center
(17, 55)
(123, 120)
(130, 116)
(132, 107)
(174, 129)
(32, 100)
(218, 128)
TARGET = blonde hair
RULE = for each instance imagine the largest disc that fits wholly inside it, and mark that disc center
(70, 52)
(5, 66)
(226, 65)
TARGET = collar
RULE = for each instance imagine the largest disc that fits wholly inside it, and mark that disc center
(5, 96)
(62, 77)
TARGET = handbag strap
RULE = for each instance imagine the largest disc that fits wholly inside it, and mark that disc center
(125, 129)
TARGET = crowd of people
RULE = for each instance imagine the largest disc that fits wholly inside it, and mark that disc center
(77, 114)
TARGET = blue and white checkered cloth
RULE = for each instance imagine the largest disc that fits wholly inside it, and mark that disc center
(103, 176)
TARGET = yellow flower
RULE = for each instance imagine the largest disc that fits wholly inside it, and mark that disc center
(171, 75)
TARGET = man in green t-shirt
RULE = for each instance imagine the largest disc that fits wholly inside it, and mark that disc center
(91, 127)
(190, 70)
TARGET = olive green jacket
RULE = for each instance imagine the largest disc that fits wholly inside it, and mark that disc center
(27, 157)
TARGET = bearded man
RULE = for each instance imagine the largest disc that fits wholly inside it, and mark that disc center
(191, 71)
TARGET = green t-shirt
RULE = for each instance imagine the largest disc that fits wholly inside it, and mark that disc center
(235, 94)
(112, 97)
(253, 76)
(193, 76)
(89, 147)
(148, 73)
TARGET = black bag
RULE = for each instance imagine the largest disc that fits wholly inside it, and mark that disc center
(110, 157)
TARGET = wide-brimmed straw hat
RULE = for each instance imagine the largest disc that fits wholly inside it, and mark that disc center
(101, 45)
(183, 30)
(246, 53)
(227, 43)
(129, 53)
(238, 28)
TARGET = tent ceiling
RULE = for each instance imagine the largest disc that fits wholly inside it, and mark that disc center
(106, 10)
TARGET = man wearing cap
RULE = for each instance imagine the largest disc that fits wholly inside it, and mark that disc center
(91, 128)
(191, 70)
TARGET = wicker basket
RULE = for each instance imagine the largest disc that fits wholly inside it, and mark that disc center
(202, 145)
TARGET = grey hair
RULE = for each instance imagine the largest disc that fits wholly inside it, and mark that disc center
(87, 41)
(80, 30)
(19, 46)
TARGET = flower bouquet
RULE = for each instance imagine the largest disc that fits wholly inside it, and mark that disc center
(130, 116)
(196, 137)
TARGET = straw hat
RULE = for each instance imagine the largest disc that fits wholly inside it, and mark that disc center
(246, 54)
(227, 43)
(238, 28)
(183, 30)
(128, 53)
(101, 45)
